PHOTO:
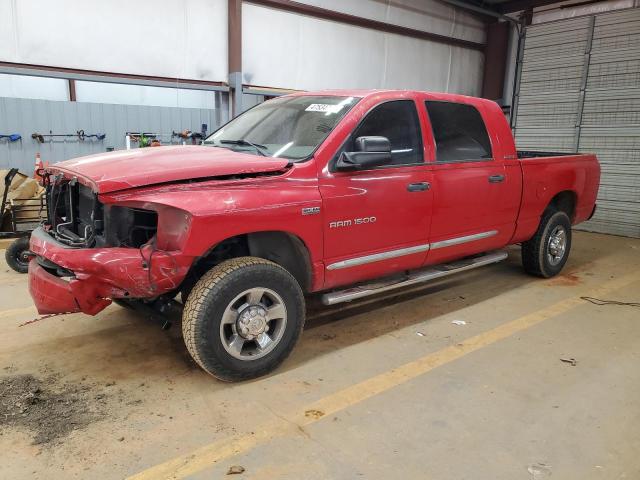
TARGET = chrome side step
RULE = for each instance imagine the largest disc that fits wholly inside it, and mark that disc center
(418, 276)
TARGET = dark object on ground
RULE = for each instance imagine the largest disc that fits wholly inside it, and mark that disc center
(48, 410)
(235, 470)
(598, 301)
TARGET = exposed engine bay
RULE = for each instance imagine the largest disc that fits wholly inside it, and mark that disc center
(77, 218)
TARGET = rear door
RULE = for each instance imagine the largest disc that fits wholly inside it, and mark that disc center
(473, 209)
(376, 221)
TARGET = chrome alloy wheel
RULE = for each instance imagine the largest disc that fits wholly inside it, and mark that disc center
(253, 323)
(556, 245)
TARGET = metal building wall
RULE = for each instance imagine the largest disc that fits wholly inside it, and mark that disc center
(186, 39)
(27, 116)
(550, 81)
(579, 92)
(312, 53)
(610, 123)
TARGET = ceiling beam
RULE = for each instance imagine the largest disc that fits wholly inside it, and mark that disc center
(478, 10)
(12, 68)
(518, 5)
(325, 14)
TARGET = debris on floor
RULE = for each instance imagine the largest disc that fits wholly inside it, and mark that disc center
(46, 408)
(600, 302)
(235, 470)
(40, 318)
(314, 413)
(572, 361)
(459, 322)
(420, 334)
(539, 470)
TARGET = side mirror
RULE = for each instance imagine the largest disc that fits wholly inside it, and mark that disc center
(369, 152)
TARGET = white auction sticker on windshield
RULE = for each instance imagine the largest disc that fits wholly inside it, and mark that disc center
(324, 108)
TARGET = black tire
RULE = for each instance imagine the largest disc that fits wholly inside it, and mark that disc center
(123, 302)
(185, 289)
(203, 328)
(17, 255)
(536, 251)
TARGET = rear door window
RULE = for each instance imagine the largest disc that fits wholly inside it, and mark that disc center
(459, 132)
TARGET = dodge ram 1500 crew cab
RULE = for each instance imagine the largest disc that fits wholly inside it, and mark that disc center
(311, 192)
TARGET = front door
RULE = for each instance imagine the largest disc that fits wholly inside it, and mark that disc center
(376, 221)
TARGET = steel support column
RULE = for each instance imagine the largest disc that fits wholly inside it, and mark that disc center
(583, 82)
(235, 55)
(515, 98)
(495, 60)
(72, 89)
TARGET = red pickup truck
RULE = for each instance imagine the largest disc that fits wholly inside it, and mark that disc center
(311, 192)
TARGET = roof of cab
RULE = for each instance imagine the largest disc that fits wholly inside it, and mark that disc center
(361, 93)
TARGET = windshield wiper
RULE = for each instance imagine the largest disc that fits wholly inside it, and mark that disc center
(242, 142)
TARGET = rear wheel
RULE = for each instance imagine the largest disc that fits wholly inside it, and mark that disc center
(17, 255)
(242, 318)
(545, 254)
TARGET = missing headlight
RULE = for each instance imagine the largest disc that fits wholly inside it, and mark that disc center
(129, 227)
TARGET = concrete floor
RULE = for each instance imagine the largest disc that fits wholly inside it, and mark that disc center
(383, 388)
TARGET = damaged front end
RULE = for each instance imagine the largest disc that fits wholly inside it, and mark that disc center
(77, 218)
(88, 253)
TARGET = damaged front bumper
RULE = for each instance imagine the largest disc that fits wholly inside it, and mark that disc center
(63, 279)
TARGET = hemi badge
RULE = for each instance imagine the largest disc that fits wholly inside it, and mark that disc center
(310, 210)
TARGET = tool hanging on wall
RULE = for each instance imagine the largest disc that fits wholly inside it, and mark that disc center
(144, 139)
(97, 136)
(151, 139)
(80, 135)
(196, 137)
(13, 137)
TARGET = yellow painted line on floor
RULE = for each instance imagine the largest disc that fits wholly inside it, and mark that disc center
(209, 455)
(17, 311)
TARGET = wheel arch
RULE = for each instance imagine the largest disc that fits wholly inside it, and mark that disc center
(281, 247)
(564, 201)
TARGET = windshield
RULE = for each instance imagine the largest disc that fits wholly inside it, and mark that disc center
(288, 127)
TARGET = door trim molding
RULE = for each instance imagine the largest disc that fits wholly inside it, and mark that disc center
(377, 257)
(467, 238)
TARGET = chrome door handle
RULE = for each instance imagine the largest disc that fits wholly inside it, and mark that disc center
(419, 186)
(496, 178)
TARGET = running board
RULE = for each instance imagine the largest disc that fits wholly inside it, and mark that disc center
(418, 276)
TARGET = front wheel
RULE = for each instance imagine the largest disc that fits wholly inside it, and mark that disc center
(545, 254)
(243, 318)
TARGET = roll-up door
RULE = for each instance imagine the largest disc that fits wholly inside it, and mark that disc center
(579, 90)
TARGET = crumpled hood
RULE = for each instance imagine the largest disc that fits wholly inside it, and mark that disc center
(113, 171)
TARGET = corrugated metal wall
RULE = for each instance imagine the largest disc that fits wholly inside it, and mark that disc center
(550, 82)
(579, 91)
(611, 120)
(26, 116)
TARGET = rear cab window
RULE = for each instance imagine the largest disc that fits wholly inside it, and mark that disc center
(459, 132)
